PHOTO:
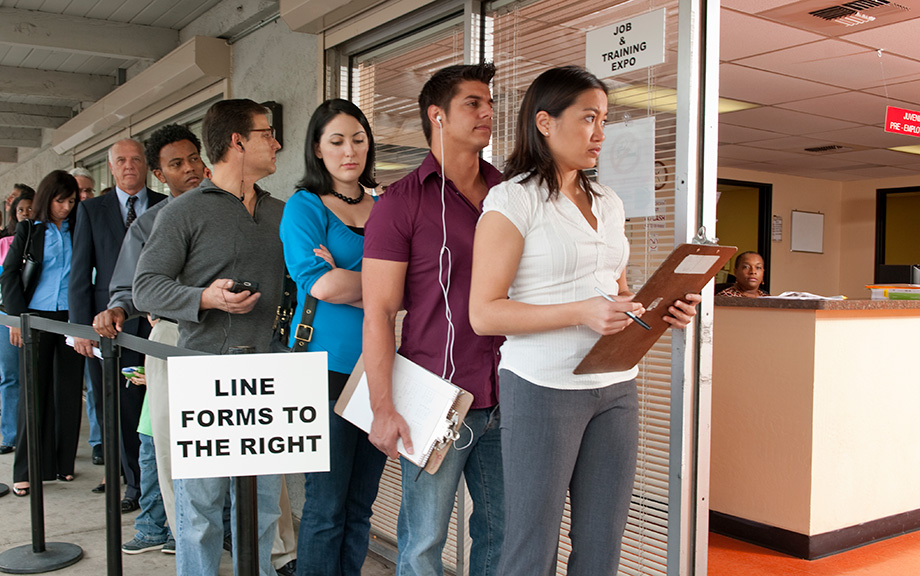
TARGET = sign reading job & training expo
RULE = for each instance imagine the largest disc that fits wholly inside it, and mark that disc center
(626, 46)
(248, 414)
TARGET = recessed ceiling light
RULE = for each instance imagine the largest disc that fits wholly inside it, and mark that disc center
(907, 149)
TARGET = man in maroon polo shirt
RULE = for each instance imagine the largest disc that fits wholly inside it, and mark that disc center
(405, 266)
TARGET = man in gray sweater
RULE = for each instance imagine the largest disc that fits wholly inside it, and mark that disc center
(222, 231)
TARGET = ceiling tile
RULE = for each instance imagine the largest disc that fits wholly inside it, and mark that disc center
(897, 38)
(755, 6)
(851, 106)
(744, 35)
(783, 121)
(879, 156)
(751, 154)
(729, 134)
(867, 136)
(761, 87)
(881, 172)
(904, 91)
(837, 63)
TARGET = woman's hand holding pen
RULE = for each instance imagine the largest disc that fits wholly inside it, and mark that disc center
(607, 316)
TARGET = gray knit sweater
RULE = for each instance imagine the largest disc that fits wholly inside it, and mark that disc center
(201, 236)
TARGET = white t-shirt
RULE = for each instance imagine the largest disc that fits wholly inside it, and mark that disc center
(564, 259)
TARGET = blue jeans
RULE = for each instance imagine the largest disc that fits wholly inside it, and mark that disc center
(9, 388)
(427, 503)
(151, 522)
(200, 529)
(95, 432)
(336, 521)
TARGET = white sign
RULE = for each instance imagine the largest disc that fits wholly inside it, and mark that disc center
(626, 46)
(627, 164)
(248, 414)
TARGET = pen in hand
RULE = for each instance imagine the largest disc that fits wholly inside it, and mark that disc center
(627, 312)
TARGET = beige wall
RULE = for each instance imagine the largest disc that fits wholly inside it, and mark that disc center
(802, 271)
(814, 417)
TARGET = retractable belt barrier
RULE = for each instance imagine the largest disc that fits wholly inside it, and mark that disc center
(44, 556)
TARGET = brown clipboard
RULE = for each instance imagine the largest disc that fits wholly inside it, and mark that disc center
(458, 410)
(686, 271)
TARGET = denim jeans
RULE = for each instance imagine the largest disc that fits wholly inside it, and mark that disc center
(200, 529)
(336, 521)
(95, 431)
(151, 522)
(9, 388)
(427, 503)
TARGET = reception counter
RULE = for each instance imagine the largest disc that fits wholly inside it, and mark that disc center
(815, 422)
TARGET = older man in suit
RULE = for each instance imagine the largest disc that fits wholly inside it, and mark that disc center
(99, 232)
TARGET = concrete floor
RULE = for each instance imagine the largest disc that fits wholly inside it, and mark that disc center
(75, 515)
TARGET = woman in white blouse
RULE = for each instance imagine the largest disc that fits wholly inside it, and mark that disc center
(547, 238)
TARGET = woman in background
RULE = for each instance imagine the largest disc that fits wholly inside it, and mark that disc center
(20, 209)
(749, 270)
(323, 235)
(60, 369)
(547, 239)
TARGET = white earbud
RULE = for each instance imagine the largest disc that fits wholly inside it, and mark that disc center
(438, 119)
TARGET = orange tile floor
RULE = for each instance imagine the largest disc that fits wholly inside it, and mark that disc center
(893, 557)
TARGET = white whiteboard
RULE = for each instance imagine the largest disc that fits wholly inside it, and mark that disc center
(807, 232)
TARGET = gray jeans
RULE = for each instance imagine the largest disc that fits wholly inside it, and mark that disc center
(553, 440)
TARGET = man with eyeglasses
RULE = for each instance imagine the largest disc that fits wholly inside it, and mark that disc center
(226, 228)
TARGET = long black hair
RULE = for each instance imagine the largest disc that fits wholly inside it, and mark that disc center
(58, 184)
(316, 177)
(552, 92)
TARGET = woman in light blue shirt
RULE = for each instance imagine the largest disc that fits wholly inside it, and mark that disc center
(60, 369)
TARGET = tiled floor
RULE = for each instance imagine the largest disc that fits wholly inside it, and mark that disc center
(893, 557)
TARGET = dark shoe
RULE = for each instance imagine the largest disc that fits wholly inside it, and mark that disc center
(98, 459)
(170, 546)
(129, 505)
(20, 492)
(65, 477)
(138, 546)
(6, 449)
(288, 569)
(100, 489)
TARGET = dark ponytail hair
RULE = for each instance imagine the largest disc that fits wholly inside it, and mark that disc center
(552, 92)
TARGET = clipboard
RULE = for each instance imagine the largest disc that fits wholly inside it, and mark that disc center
(433, 407)
(686, 271)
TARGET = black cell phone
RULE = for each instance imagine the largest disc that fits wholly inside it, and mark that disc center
(240, 285)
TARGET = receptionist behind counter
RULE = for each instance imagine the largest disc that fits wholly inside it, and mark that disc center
(749, 270)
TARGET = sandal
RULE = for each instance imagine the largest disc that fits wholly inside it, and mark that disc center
(20, 492)
(65, 477)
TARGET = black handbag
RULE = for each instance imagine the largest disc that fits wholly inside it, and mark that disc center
(31, 269)
(281, 328)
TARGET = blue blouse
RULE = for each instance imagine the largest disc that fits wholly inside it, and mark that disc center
(51, 292)
(337, 328)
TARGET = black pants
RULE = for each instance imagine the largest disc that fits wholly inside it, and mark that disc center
(59, 378)
(130, 401)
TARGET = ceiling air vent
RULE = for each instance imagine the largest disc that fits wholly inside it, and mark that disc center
(826, 149)
(853, 13)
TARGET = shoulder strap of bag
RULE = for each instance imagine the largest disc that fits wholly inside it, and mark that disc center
(304, 331)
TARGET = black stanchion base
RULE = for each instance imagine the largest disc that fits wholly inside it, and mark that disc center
(22, 560)
(4, 490)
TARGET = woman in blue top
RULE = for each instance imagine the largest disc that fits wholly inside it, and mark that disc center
(60, 369)
(323, 235)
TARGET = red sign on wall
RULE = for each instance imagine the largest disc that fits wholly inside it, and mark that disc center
(902, 121)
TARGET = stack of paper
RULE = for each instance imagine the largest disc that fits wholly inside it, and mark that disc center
(895, 291)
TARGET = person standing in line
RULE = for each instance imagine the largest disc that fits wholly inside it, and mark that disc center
(225, 228)
(21, 210)
(323, 233)
(418, 254)
(58, 378)
(547, 240)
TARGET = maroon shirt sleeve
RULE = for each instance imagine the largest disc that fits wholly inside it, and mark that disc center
(388, 231)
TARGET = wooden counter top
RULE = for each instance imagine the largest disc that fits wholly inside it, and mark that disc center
(782, 303)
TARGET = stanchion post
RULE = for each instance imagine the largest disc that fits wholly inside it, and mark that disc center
(112, 441)
(247, 512)
(41, 556)
(29, 363)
